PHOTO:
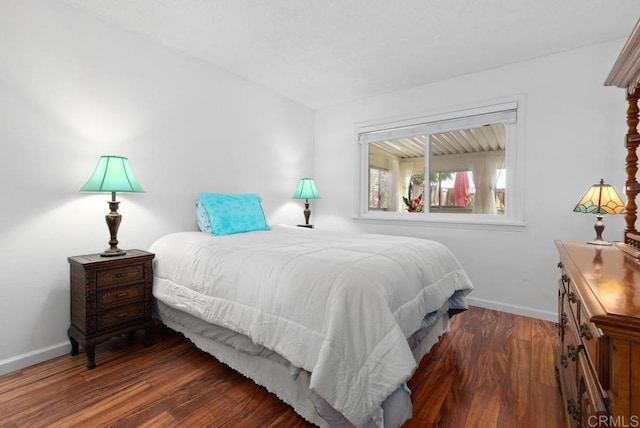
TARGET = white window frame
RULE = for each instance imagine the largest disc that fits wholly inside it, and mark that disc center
(443, 121)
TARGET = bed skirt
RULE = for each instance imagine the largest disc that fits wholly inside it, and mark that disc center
(279, 377)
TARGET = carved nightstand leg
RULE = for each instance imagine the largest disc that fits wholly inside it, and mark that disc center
(148, 339)
(75, 348)
(90, 350)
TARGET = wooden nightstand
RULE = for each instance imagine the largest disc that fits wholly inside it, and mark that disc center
(110, 296)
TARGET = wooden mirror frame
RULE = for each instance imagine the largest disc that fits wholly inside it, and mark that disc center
(626, 74)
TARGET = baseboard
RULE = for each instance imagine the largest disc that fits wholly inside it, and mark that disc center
(34, 357)
(39, 355)
(513, 309)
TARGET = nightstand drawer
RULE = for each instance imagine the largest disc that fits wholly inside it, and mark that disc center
(119, 315)
(118, 276)
(120, 295)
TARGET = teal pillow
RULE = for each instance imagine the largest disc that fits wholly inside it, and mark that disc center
(202, 217)
(236, 213)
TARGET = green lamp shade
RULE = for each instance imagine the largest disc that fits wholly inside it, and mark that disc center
(306, 190)
(600, 199)
(113, 174)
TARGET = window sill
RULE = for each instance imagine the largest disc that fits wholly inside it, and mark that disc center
(454, 221)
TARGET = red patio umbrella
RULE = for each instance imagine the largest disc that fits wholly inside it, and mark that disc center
(461, 188)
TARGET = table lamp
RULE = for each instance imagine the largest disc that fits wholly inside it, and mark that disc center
(600, 199)
(112, 174)
(306, 190)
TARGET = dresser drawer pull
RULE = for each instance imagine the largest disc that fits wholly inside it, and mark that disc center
(572, 352)
(572, 297)
(585, 332)
(564, 361)
(573, 409)
(122, 314)
(122, 294)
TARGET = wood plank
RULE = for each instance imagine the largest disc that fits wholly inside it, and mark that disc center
(491, 370)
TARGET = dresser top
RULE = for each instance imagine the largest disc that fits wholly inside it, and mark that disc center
(610, 274)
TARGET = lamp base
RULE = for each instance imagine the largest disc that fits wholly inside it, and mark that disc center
(307, 211)
(113, 223)
(599, 227)
(599, 242)
(112, 252)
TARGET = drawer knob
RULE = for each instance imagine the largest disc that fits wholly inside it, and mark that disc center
(122, 294)
(122, 314)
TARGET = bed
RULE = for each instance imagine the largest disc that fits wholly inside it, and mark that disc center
(333, 324)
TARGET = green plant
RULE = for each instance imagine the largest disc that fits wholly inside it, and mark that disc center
(413, 204)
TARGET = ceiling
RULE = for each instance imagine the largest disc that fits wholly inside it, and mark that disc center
(326, 52)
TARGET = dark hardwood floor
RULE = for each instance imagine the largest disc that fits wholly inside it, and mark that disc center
(492, 370)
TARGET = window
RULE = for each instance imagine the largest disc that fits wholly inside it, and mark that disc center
(455, 167)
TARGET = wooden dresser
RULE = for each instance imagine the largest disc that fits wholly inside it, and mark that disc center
(598, 358)
(110, 296)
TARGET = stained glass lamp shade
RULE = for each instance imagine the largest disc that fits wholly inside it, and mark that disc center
(113, 174)
(306, 190)
(600, 199)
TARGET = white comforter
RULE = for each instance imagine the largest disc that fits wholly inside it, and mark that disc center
(337, 305)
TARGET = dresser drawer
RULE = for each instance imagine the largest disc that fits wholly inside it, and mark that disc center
(589, 336)
(121, 275)
(569, 358)
(123, 314)
(593, 408)
(571, 401)
(563, 316)
(573, 300)
(120, 295)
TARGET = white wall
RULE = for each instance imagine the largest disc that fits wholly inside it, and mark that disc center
(574, 132)
(73, 88)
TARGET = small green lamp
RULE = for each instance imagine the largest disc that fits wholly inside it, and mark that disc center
(306, 190)
(113, 174)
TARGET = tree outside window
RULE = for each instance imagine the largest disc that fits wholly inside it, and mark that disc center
(379, 185)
